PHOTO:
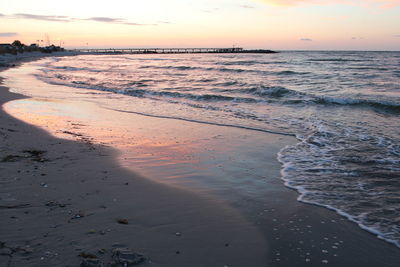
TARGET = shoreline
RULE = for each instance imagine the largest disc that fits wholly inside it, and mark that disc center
(277, 215)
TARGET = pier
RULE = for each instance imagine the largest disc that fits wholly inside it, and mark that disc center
(236, 50)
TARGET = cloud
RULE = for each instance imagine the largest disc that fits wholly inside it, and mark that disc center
(106, 19)
(211, 10)
(246, 6)
(117, 21)
(71, 19)
(285, 2)
(43, 17)
(380, 3)
(137, 24)
(8, 34)
(398, 36)
(306, 39)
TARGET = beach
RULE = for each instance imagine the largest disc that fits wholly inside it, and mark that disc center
(82, 182)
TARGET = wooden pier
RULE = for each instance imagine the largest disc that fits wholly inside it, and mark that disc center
(235, 50)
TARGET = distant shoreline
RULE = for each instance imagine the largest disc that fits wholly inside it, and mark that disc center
(234, 50)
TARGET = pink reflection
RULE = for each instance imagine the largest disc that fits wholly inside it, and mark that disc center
(139, 139)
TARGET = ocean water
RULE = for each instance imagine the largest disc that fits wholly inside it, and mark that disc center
(343, 107)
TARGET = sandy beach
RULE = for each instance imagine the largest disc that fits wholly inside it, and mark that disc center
(74, 192)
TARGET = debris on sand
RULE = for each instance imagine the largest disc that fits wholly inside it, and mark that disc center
(79, 215)
(5, 251)
(11, 158)
(91, 263)
(126, 257)
(87, 255)
(37, 155)
(71, 133)
(56, 204)
(123, 221)
(19, 206)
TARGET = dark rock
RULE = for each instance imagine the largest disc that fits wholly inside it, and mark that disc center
(55, 204)
(91, 263)
(19, 206)
(122, 221)
(37, 155)
(126, 258)
(118, 245)
(25, 251)
(79, 215)
(71, 133)
(10, 158)
(87, 255)
(6, 251)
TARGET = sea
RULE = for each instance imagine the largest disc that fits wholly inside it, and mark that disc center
(343, 107)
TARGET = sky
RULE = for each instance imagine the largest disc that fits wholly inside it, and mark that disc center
(264, 24)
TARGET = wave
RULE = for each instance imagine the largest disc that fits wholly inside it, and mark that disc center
(169, 67)
(69, 68)
(273, 91)
(387, 105)
(304, 98)
(382, 229)
(368, 68)
(249, 63)
(241, 62)
(224, 69)
(337, 60)
(144, 93)
(200, 97)
(265, 93)
(184, 68)
(146, 59)
(290, 72)
(351, 170)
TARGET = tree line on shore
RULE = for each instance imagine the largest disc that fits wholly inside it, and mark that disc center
(18, 47)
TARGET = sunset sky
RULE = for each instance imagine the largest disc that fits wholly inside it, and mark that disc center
(270, 24)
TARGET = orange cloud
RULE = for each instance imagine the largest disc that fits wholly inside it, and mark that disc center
(381, 3)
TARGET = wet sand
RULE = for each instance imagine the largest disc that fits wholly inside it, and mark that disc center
(68, 199)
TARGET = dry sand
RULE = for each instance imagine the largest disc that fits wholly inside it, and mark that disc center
(61, 198)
